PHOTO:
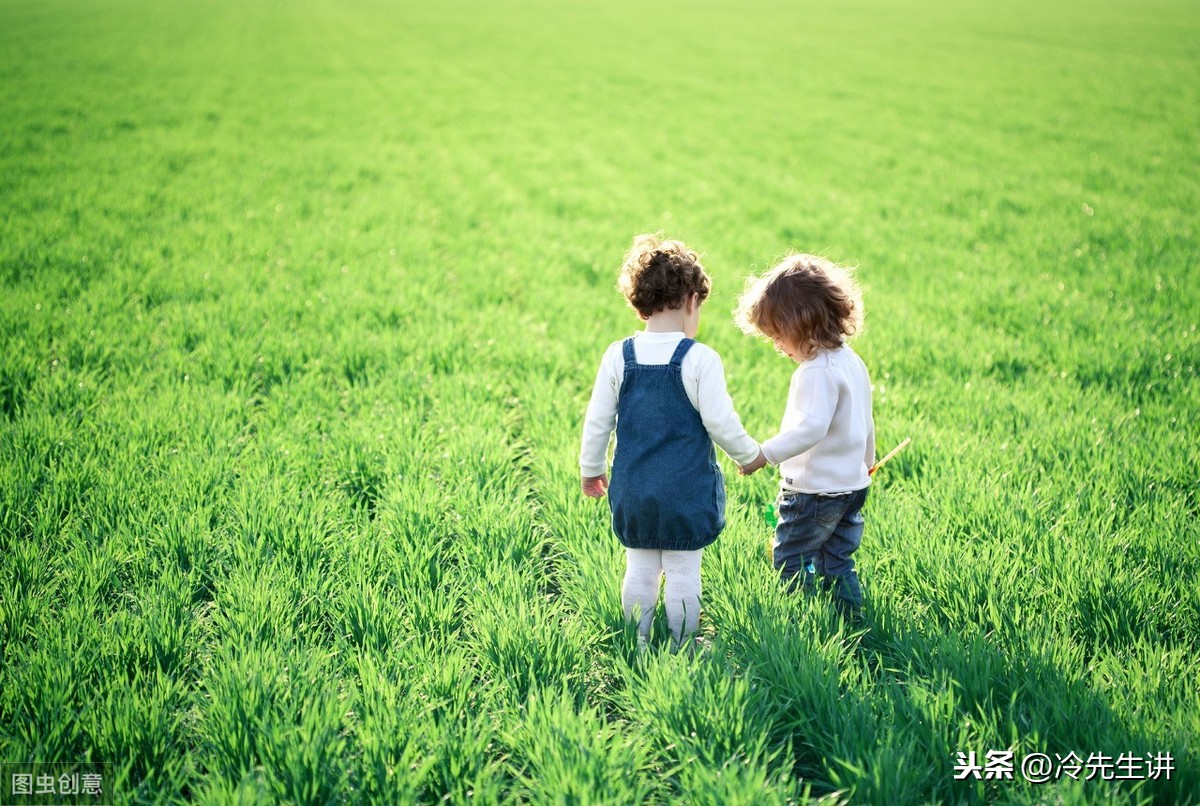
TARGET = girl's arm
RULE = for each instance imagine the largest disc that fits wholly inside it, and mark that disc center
(600, 420)
(716, 411)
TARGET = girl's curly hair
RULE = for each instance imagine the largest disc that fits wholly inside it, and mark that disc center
(807, 299)
(658, 275)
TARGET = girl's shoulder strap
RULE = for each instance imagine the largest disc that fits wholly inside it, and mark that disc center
(681, 349)
(627, 352)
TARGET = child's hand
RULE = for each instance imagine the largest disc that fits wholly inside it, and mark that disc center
(594, 486)
(759, 462)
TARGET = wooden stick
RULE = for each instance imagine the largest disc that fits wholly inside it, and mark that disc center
(885, 459)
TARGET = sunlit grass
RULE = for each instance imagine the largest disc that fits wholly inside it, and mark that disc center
(300, 309)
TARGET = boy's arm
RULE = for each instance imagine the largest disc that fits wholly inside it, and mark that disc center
(813, 397)
(599, 422)
(718, 415)
(869, 454)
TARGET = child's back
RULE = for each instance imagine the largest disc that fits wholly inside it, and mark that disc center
(667, 491)
(833, 389)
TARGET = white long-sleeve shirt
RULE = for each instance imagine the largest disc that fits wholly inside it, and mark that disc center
(826, 442)
(703, 380)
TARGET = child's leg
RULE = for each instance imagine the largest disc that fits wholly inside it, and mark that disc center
(682, 596)
(639, 592)
(837, 556)
(799, 535)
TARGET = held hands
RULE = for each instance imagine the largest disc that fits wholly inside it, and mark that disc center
(759, 463)
(595, 486)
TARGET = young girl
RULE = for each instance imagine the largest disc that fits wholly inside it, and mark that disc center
(665, 395)
(826, 444)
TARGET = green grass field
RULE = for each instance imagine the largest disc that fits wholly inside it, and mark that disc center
(300, 307)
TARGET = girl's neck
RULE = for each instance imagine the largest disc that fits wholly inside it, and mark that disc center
(667, 321)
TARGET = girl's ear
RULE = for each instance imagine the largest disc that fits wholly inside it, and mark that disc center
(693, 302)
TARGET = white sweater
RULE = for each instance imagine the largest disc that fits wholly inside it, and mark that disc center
(703, 380)
(827, 440)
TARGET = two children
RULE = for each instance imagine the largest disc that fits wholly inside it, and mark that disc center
(665, 396)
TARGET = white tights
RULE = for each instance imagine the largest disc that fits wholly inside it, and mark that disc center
(644, 569)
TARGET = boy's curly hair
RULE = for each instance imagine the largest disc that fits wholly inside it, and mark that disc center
(658, 275)
(807, 299)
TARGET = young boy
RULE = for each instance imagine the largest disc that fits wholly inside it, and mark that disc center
(808, 306)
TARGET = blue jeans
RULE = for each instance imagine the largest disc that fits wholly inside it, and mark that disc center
(817, 536)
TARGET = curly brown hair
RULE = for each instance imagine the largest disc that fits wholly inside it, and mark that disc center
(809, 300)
(658, 275)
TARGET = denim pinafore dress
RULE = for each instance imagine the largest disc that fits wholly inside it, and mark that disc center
(667, 491)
